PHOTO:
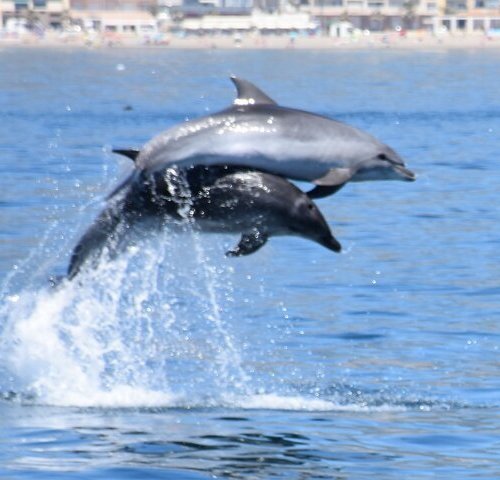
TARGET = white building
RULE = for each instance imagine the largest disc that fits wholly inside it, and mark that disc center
(376, 15)
(257, 22)
(42, 13)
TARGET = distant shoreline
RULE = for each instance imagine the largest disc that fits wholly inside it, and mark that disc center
(374, 41)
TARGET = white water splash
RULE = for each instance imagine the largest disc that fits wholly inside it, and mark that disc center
(153, 328)
(146, 329)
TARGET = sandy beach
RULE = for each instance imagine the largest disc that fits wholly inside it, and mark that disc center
(387, 40)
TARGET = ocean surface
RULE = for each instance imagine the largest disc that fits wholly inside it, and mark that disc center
(296, 363)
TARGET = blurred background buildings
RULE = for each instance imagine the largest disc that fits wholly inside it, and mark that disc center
(223, 17)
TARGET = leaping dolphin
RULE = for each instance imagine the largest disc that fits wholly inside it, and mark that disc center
(255, 204)
(258, 133)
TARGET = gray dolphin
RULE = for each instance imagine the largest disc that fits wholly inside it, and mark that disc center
(258, 133)
(255, 204)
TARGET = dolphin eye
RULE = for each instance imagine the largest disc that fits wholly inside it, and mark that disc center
(310, 206)
(385, 158)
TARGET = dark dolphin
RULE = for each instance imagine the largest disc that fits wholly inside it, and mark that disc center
(255, 204)
(258, 133)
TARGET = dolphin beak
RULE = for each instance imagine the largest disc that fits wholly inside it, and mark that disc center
(331, 243)
(405, 174)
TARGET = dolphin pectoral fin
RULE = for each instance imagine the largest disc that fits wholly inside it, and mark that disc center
(249, 243)
(334, 177)
(249, 94)
(129, 153)
(320, 191)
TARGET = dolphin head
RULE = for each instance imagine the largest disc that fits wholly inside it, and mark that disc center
(383, 164)
(307, 221)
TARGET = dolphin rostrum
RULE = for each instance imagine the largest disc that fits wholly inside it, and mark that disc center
(258, 133)
(255, 204)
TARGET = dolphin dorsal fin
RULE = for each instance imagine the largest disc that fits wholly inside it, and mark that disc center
(129, 153)
(249, 94)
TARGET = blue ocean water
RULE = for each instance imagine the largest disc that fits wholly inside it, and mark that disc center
(294, 362)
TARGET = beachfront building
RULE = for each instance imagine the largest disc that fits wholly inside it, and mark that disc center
(240, 17)
(469, 17)
(77, 16)
(17, 16)
(115, 17)
(258, 22)
(340, 18)
(375, 15)
(198, 8)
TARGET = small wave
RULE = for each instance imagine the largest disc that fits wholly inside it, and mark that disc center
(273, 401)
